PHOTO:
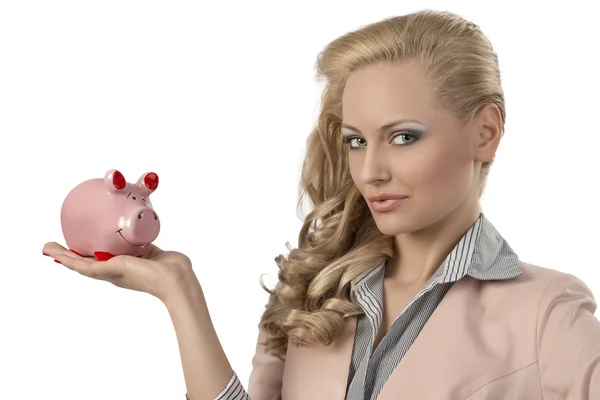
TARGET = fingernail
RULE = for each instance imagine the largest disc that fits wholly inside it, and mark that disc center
(46, 254)
(56, 261)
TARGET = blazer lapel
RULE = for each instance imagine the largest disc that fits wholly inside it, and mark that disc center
(430, 368)
(319, 372)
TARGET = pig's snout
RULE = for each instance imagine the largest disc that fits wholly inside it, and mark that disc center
(143, 228)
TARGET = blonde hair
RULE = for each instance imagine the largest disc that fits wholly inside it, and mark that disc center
(339, 238)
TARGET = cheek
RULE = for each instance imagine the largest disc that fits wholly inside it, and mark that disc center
(357, 169)
(443, 170)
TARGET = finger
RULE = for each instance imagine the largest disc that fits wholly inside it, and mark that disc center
(152, 251)
(91, 268)
(53, 249)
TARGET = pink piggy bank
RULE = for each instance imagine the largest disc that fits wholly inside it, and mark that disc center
(109, 217)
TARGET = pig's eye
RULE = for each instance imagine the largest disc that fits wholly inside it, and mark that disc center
(133, 197)
(140, 216)
(155, 217)
(143, 199)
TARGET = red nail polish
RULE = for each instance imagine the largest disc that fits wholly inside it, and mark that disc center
(56, 261)
(46, 254)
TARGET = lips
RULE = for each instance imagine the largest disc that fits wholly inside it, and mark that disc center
(385, 202)
(385, 196)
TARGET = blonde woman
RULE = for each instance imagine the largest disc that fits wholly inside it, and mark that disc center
(400, 287)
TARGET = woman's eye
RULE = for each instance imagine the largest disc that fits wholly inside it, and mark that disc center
(357, 142)
(403, 138)
(354, 142)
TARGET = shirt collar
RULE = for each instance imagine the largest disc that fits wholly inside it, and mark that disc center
(482, 253)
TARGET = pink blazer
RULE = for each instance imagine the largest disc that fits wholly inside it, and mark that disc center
(528, 338)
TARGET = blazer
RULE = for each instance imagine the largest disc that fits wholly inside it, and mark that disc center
(528, 338)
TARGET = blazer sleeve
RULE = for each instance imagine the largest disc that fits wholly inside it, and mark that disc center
(568, 341)
(265, 379)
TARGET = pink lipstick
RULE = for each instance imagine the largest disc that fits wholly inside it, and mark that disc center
(385, 202)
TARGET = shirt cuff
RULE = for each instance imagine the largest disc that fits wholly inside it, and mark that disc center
(233, 391)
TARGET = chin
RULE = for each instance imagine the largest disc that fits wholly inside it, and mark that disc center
(399, 222)
(392, 225)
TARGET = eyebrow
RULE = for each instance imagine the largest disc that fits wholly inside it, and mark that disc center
(386, 126)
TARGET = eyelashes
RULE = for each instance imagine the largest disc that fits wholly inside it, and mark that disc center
(399, 138)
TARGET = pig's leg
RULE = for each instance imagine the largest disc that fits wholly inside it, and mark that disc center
(103, 255)
(100, 254)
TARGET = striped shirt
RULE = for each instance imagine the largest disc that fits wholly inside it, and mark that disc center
(482, 253)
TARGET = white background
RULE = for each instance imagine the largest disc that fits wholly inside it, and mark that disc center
(218, 99)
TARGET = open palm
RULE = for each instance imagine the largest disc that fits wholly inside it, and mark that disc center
(157, 273)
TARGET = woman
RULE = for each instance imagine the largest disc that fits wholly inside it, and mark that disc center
(400, 287)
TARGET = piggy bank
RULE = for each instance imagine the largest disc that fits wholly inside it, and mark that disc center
(109, 216)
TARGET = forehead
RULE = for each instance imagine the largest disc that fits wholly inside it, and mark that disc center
(381, 92)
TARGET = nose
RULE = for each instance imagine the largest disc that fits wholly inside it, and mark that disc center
(145, 225)
(373, 168)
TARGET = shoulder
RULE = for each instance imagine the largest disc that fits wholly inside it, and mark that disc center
(567, 335)
(538, 289)
(536, 278)
(560, 297)
(550, 280)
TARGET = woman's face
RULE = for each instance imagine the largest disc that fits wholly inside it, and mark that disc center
(403, 144)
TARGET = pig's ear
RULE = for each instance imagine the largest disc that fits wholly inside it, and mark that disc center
(114, 181)
(148, 183)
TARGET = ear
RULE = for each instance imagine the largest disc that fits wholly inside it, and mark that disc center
(115, 182)
(148, 183)
(489, 128)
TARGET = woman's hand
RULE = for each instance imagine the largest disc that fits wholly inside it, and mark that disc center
(159, 273)
(167, 275)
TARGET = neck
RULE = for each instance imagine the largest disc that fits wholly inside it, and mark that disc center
(419, 254)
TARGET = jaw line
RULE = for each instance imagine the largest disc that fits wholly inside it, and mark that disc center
(137, 245)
